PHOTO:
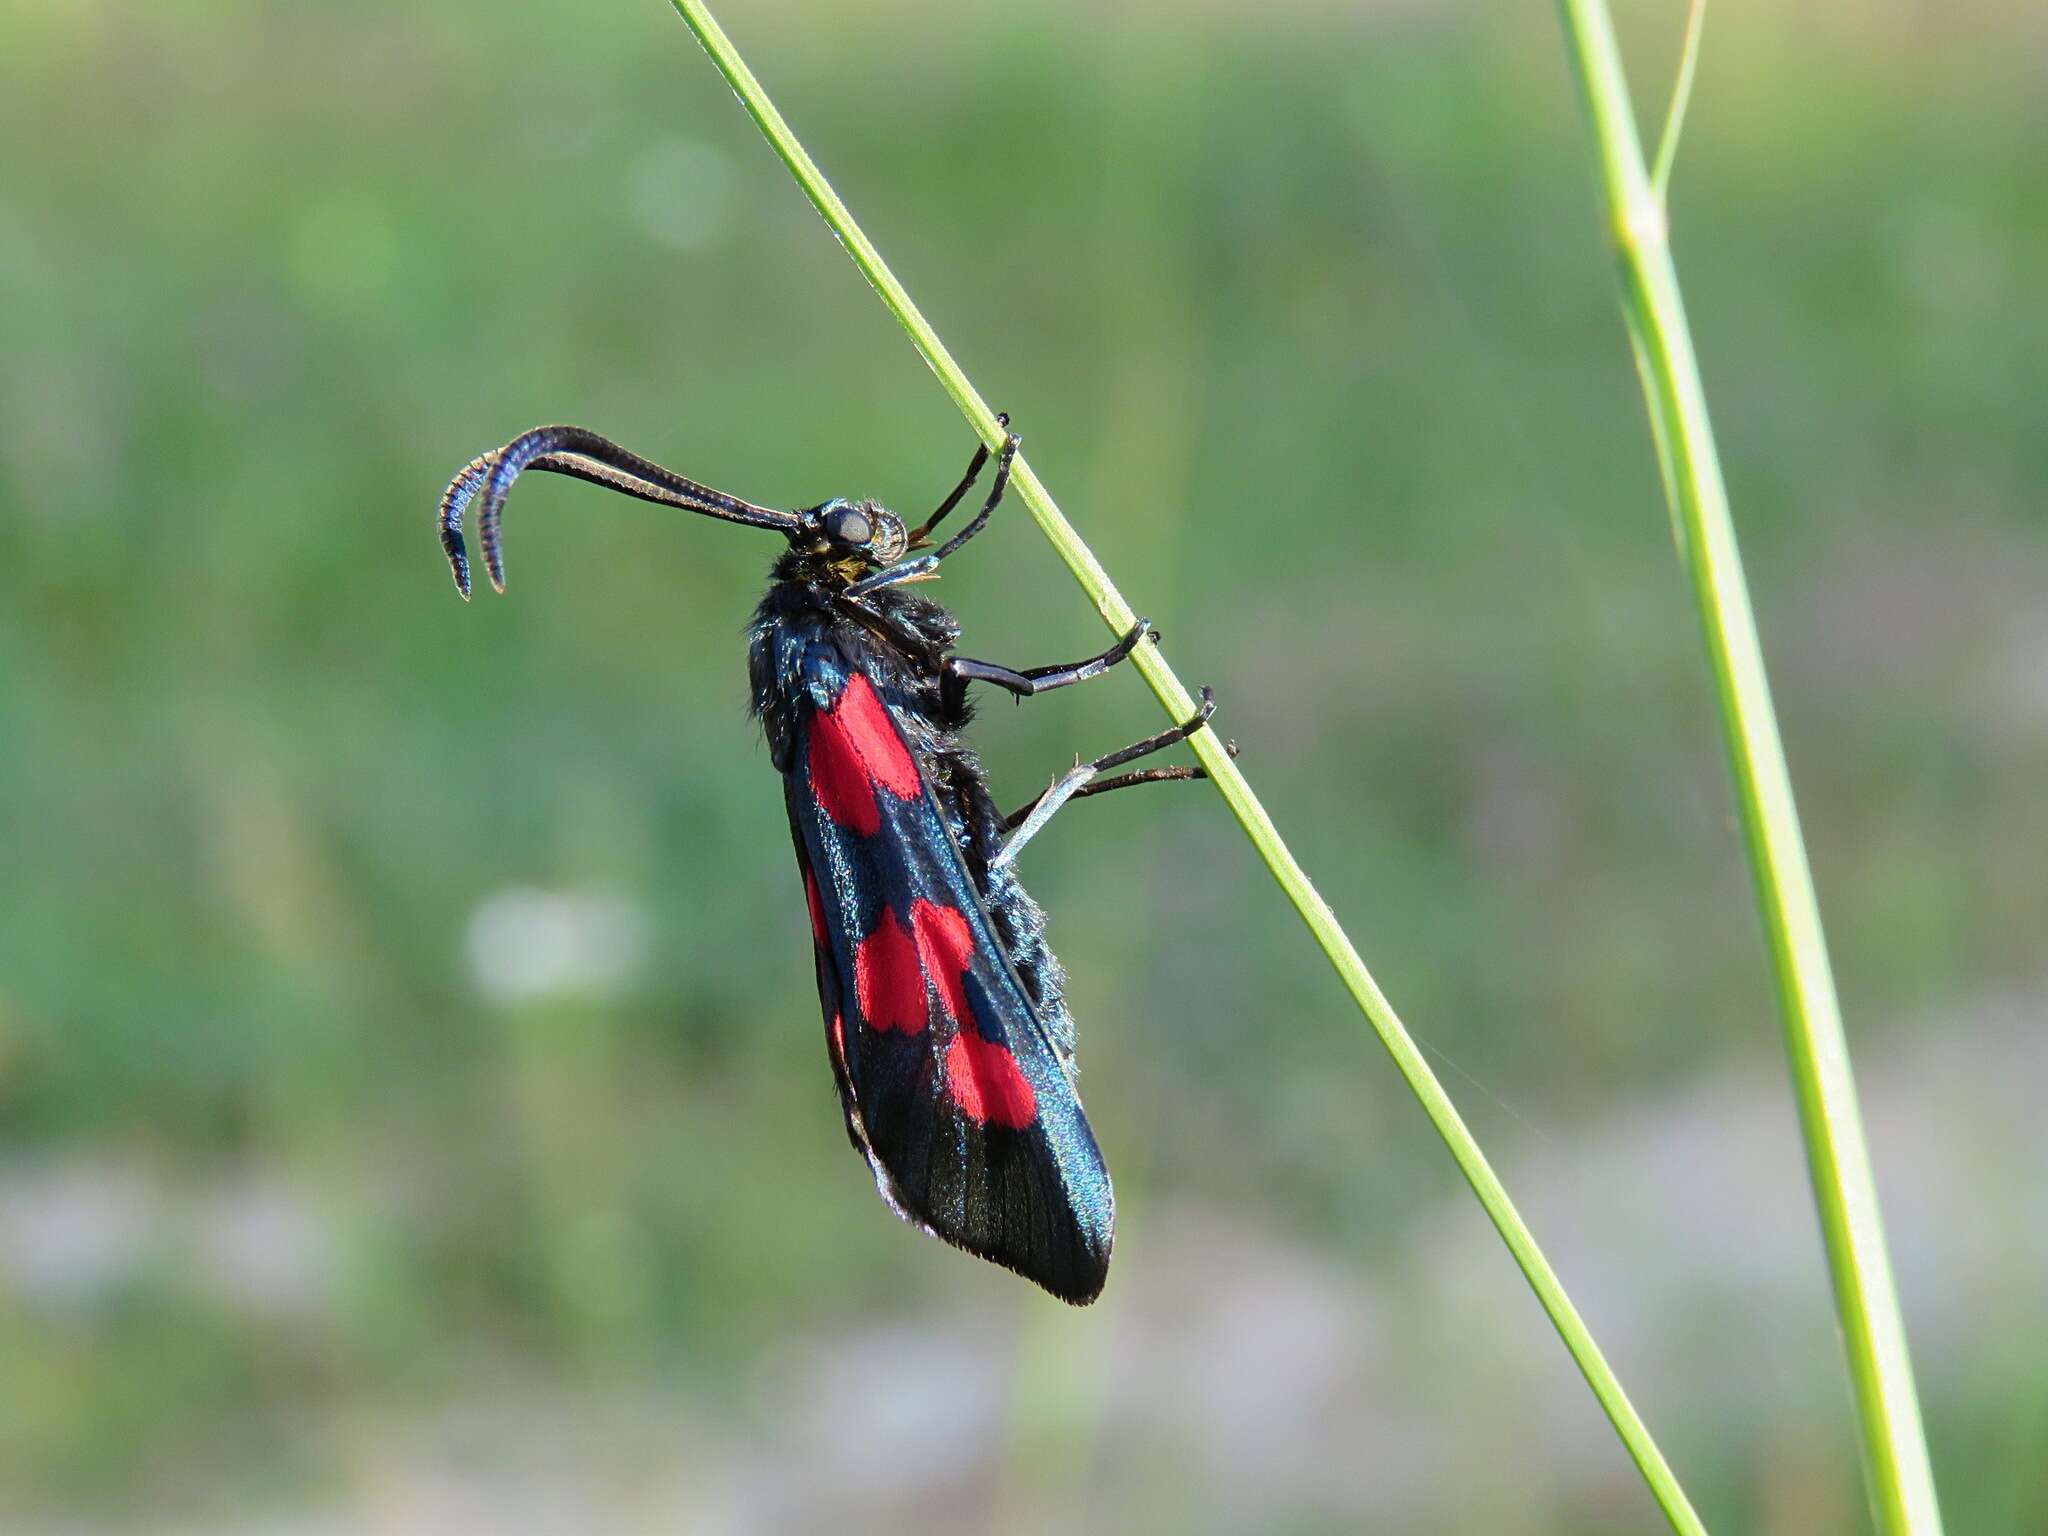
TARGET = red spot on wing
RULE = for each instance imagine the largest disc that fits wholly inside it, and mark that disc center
(946, 946)
(855, 753)
(888, 979)
(982, 1077)
(817, 911)
(836, 1034)
(987, 1084)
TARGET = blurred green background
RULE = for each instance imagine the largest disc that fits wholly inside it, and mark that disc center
(412, 1109)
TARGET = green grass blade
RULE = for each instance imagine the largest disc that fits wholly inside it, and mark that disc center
(1223, 772)
(1888, 1413)
(1681, 98)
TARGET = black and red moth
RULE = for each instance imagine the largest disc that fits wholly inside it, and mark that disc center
(945, 1015)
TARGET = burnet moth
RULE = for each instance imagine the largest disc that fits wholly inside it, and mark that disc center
(945, 1013)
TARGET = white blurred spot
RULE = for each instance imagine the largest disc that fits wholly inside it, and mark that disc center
(681, 191)
(526, 943)
(263, 1247)
(74, 1233)
(71, 1234)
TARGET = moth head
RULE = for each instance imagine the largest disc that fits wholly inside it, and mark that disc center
(860, 530)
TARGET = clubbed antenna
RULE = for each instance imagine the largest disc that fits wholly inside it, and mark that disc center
(583, 455)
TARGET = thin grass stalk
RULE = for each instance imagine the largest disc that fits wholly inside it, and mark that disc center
(1224, 773)
(1894, 1447)
(1681, 98)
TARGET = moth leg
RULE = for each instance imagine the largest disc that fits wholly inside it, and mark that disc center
(1081, 780)
(959, 671)
(924, 565)
(879, 623)
(922, 532)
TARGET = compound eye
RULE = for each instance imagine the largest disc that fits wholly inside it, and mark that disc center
(850, 527)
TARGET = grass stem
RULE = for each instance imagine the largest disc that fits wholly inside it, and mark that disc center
(1894, 1448)
(1681, 98)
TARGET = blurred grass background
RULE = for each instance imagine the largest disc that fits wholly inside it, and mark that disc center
(412, 1109)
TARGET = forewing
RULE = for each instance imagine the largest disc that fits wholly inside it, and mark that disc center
(950, 1083)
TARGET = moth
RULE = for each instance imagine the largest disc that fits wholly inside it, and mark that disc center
(946, 1020)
